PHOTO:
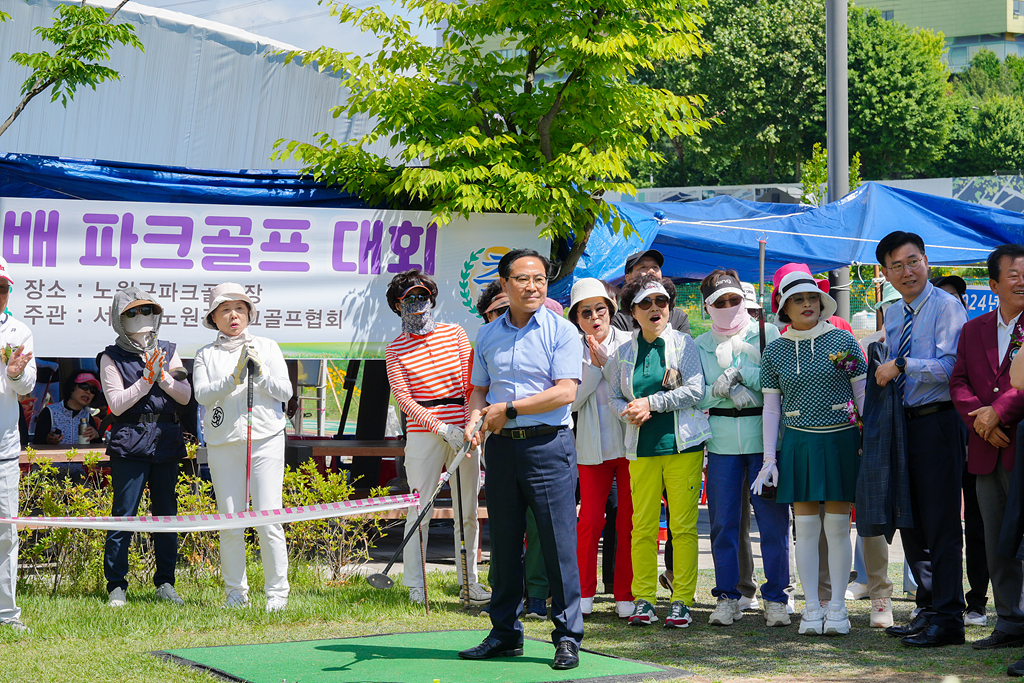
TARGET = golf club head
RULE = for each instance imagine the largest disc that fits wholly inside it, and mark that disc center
(380, 581)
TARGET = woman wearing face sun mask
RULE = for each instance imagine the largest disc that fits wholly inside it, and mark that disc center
(428, 368)
(656, 385)
(730, 355)
(144, 381)
(221, 376)
(813, 380)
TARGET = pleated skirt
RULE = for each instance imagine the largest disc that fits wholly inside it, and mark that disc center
(819, 466)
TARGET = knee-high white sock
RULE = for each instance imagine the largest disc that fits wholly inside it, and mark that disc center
(840, 556)
(808, 528)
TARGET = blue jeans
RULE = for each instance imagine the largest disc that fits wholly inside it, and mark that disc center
(724, 489)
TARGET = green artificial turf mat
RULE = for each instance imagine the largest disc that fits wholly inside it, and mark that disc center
(404, 658)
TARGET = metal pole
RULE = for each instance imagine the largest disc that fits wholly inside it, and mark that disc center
(837, 119)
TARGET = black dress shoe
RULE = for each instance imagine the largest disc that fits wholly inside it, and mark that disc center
(916, 625)
(567, 655)
(1016, 669)
(936, 636)
(999, 639)
(490, 648)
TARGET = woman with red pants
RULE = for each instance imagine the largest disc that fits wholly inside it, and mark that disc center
(599, 447)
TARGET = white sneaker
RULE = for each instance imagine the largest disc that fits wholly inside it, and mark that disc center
(418, 596)
(812, 621)
(235, 601)
(166, 592)
(726, 612)
(117, 598)
(837, 621)
(16, 625)
(586, 606)
(857, 591)
(276, 604)
(623, 608)
(975, 617)
(478, 594)
(748, 604)
(775, 614)
(881, 613)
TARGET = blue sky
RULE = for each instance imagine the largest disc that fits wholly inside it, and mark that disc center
(302, 23)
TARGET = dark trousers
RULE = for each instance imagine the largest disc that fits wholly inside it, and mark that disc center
(935, 456)
(537, 474)
(974, 546)
(129, 478)
(1006, 572)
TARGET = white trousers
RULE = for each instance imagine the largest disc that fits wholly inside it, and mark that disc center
(9, 475)
(227, 468)
(426, 457)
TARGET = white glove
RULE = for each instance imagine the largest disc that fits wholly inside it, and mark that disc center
(727, 380)
(769, 475)
(257, 364)
(455, 437)
(742, 397)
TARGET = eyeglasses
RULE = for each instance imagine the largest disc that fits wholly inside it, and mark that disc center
(416, 298)
(145, 309)
(661, 301)
(86, 387)
(730, 302)
(911, 264)
(801, 299)
(523, 280)
(496, 313)
(596, 312)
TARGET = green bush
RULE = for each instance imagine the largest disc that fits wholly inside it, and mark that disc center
(70, 561)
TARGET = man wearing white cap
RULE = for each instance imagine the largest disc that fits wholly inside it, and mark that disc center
(19, 378)
(235, 436)
(144, 381)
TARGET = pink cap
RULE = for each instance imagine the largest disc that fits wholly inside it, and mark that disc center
(786, 270)
(88, 378)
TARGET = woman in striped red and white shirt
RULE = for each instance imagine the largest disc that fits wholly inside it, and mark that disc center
(428, 368)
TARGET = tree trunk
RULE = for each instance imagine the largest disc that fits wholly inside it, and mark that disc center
(566, 267)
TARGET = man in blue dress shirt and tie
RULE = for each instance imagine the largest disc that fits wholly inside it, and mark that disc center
(526, 366)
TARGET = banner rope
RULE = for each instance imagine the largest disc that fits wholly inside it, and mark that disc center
(217, 522)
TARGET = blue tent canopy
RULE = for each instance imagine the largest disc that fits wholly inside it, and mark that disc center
(697, 237)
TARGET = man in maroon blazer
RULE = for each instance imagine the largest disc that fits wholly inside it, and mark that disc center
(991, 408)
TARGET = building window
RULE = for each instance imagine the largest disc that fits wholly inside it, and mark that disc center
(888, 14)
(1018, 8)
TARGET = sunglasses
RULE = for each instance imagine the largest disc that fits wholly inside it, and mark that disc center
(145, 309)
(87, 387)
(729, 302)
(661, 301)
(598, 312)
(416, 298)
(4, 289)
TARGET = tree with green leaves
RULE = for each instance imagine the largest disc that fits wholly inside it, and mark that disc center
(83, 36)
(814, 176)
(478, 130)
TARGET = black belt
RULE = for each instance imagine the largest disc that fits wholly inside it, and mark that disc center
(529, 432)
(736, 412)
(914, 412)
(454, 401)
(145, 418)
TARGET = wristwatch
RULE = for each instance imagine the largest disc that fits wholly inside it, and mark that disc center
(510, 412)
(901, 364)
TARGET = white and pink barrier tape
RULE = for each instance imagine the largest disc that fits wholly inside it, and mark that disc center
(217, 522)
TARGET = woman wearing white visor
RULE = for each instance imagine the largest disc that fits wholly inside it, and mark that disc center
(221, 378)
(813, 381)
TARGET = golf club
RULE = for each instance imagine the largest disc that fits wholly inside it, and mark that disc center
(382, 580)
(462, 541)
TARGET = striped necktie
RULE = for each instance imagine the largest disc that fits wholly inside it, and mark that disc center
(904, 349)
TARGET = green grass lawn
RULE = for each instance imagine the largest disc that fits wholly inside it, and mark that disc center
(78, 638)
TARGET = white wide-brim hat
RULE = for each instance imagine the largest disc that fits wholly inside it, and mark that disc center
(796, 282)
(588, 288)
(228, 291)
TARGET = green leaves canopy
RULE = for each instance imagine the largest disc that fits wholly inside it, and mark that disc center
(480, 132)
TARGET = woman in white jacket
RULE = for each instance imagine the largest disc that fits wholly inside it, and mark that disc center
(220, 384)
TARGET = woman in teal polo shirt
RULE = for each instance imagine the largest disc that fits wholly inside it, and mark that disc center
(656, 385)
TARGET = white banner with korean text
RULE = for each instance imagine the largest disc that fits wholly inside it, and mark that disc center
(318, 276)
